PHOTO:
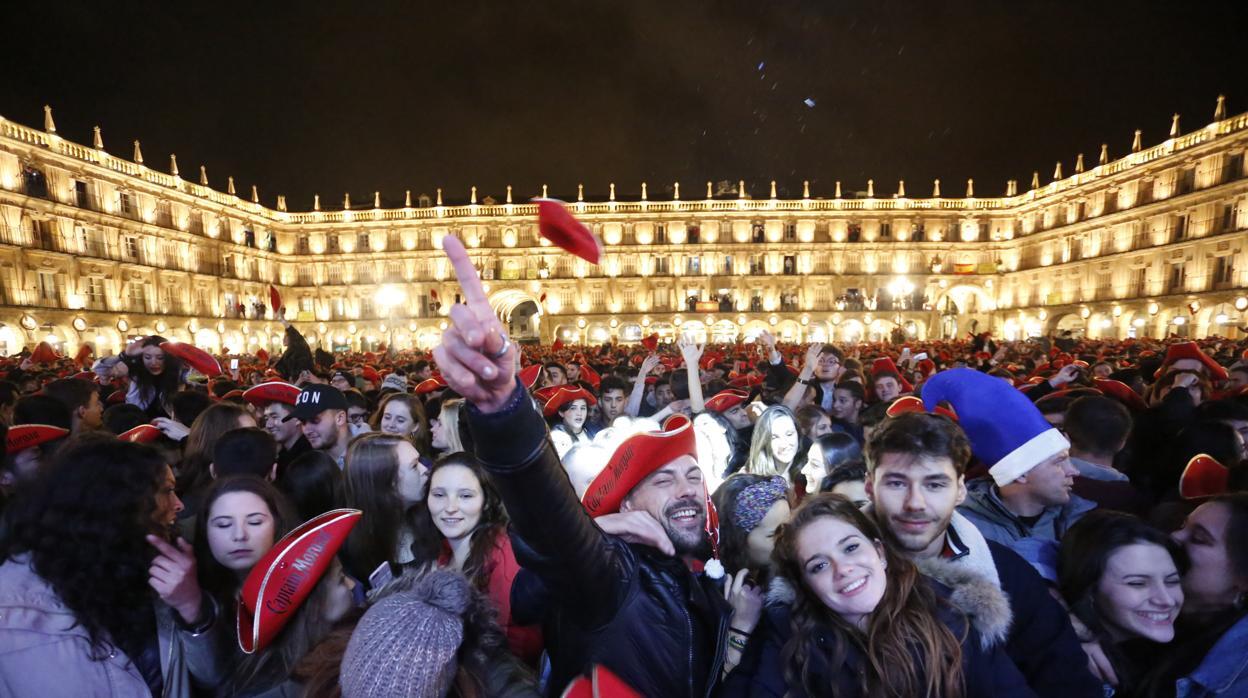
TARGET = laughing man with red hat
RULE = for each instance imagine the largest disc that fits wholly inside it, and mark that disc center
(636, 610)
(275, 401)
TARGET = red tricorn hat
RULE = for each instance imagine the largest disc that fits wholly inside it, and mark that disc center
(650, 341)
(910, 403)
(885, 364)
(1122, 392)
(194, 357)
(529, 375)
(370, 374)
(1190, 350)
(142, 434)
(557, 346)
(429, 385)
(287, 574)
(237, 392)
(600, 683)
(272, 391)
(116, 397)
(262, 356)
(543, 395)
(24, 436)
(1203, 477)
(727, 399)
(560, 227)
(675, 422)
(44, 354)
(83, 357)
(590, 376)
(275, 298)
(564, 395)
(633, 460)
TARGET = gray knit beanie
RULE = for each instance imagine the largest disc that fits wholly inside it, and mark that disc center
(405, 644)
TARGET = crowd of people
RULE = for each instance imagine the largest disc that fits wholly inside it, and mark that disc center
(1051, 517)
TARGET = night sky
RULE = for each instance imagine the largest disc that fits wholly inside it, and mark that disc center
(311, 97)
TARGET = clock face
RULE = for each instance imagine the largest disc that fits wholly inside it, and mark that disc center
(122, 326)
(28, 322)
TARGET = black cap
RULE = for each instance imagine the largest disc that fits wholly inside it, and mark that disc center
(315, 399)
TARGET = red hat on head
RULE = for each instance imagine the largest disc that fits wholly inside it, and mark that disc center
(44, 354)
(564, 395)
(84, 376)
(726, 399)
(557, 346)
(287, 574)
(543, 395)
(651, 380)
(1190, 350)
(272, 391)
(370, 374)
(650, 341)
(529, 375)
(927, 367)
(142, 434)
(885, 364)
(1121, 392)
(194, 357)
(83, 356)
(1203, 477)
(556, 224)
(590, 376)
(429, 385)
(24, 436)
(633, 460)
(675, 422)
(910, 403)
(116, 397)
(262, 356)
(232, 394)
(600, 683)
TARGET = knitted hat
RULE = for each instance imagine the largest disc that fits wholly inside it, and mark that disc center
(395, 382)
(1006, 431)
(406, 643)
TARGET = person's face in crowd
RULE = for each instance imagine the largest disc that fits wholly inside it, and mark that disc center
(455, 501)
(887, 388)
(760, 541)
(1188, 365)
(815, 469)
(821, 427)
(573, 373)
(1237, 380)
(842, 568)
(246, 421)
(853, 490)
(783, 441)
(556, 376)
(283, 432)
(411, 476)
(240, 530)
(1055, 419)
(168, 506)
(1051, 481)
(1139, 593)
(424, 374)
(29, 386)
(845, 406)
(92, 415)
(915, 498)
(675, 496)
(340, 382)
(397, 419)
(341, 597)
(828, 367)
(1102, 370)
(26, 464)
(1211, 583)
(321, 431)
(612, 404)
(737, 416)
(154, 360)
(437, 435)
(574, 415)
(663, 395)
(357, 416)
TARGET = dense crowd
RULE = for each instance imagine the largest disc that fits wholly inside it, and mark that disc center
(1051, 517)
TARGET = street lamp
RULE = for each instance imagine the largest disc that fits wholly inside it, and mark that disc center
(389, 297)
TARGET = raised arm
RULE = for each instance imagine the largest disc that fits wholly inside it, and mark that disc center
(793, 398)
(633, 408)
(691, 351)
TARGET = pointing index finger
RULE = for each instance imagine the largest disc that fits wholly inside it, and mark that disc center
(469, 282)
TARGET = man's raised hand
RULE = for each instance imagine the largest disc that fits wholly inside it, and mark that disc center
(475, 356)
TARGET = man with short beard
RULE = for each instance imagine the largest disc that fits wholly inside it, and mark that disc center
(641, 612)
(321, 411)
(916, 465)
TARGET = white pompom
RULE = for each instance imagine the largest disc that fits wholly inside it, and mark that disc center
(714, 569)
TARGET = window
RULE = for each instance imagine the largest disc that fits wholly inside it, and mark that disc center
(331, 244)
(855, 232)
(790, 265)
(1176, 278)
(302, 245)
(164, 214)
(137, 296)
(693, 265)
(361, 242)
(1223, 271)
(197, 223)
(660, 265)
(366, 307)
(95, 292)
(125, 203)
(759, 233)
(249, 238)
(305, 304)
(727, 267)
(693, 234)
(660, 234)
(47, 286)
(1228, 217)
(130, 245)
(790, 232)
(1178, 227)
(81, 198)
(886, 230)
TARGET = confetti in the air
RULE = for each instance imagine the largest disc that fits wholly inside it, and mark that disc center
(809, 102)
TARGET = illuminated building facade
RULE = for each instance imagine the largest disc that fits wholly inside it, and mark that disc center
(97, 248)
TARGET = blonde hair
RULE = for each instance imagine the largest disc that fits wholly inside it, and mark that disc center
(760, 461)
(449, 417)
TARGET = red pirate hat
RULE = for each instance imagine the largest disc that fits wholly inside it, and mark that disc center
(83, 357)
(564, 395)
(194, 357)
(590, 376)
(84, 376)
(262, 356)
(910, 403)
(142, 434)
(24, 436)
(650, 341)
(633, 460)
(44, 354)
(885, 364)
(1203, 477)
(529, 375)
(233, 394)
(272, 391)
(675, 422)
(116, 397)
(600, 683)
(560, 227)
(287, 574)
(429, 385)
(1122, 392)
(543, 395)
(726, 399)
(927, 367)
(1190, 350)
(557, 346)
(275, 298)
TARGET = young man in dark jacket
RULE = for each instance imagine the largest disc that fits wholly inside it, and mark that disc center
(638, 611)
(915, 469)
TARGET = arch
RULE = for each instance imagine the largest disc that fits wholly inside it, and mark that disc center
(959, 295)
(506, 301)
(598, 333)
(850, 331)
(631, 332)
(788, 331)
(1069, 321)
(725, 332)
(695, 329)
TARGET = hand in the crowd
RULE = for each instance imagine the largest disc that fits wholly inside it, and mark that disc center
(767, 339)
(648, 364)
(812, 358)
(475, 356)
(1185, 380)
(1065, 376)
(26, 364)
(690, 351)
(746, 600)
(172, 577)
(171, 428)
(679, 407)
(637, 527)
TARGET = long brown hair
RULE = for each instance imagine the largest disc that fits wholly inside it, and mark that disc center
(484, 536)
(908, 650)
(205, 430)
(369, 478)
(420, 437)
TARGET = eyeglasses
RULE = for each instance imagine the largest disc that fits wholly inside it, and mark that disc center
(357, 418)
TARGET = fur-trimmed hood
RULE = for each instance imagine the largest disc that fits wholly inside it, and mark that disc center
(985, 605)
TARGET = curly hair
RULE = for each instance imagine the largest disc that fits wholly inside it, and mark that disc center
(904, 626)
(493, 523)
(84, 520)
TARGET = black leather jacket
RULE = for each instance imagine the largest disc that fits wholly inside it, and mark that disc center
(643, 615)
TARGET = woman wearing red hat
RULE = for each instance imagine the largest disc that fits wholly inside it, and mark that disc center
(567, 410)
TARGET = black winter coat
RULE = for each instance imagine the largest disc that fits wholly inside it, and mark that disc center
(641, 614)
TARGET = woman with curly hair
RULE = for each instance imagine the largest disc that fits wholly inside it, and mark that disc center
(96, 600)
(468, 512)
(857, 618)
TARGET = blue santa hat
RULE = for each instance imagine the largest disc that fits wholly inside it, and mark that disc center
(1005, 429)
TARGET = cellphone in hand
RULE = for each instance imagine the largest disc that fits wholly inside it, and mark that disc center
(233, 364)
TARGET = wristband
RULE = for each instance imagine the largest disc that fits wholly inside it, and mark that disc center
(738, 631)
(737, 643)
